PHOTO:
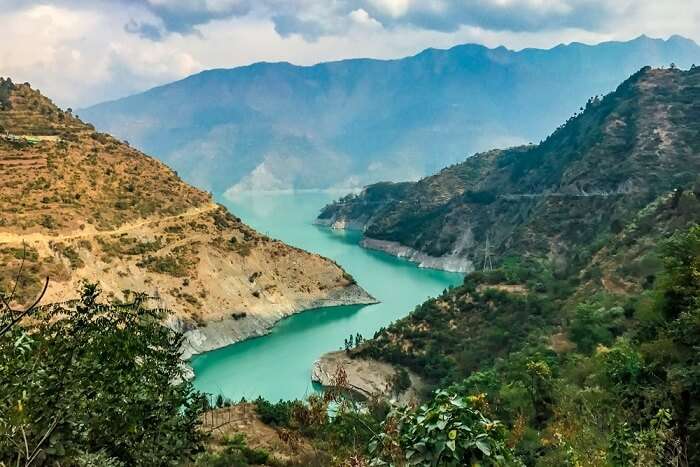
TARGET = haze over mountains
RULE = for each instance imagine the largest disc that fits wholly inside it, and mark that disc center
(274, 126)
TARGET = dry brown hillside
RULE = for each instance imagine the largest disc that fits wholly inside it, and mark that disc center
(87, 206)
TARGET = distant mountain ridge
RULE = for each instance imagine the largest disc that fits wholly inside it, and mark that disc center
(554, 201)
(271, 126)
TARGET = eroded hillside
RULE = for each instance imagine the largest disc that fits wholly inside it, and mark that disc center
(81, 205)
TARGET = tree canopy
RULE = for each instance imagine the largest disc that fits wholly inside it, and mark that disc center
(96, 384)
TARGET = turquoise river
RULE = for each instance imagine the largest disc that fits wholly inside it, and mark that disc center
(278, 365)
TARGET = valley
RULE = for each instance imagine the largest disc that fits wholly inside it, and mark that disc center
(255, 367)
(344, 284)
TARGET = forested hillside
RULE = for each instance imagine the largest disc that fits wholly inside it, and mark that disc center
(557, 199)
(580, 372)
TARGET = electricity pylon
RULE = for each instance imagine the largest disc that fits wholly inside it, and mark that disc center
(487, 255)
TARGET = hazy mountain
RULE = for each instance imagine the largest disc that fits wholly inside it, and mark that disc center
(556, 200)
(351, 122)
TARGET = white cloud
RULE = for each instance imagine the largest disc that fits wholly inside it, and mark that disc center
(83, 51)
(360, 16)
(395, 8)
(78, 56)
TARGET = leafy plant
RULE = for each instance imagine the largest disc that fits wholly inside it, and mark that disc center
(448, 431)
(99, 379)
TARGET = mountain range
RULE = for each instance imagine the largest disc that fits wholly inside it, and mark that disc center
(557, 201)
(344, 124)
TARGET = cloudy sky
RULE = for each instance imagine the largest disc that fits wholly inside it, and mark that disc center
(81, 52)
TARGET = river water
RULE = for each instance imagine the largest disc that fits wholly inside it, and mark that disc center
(278, 365)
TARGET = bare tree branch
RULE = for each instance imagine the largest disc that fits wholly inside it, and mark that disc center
(37, 448)
(23, 313)
(19, 275)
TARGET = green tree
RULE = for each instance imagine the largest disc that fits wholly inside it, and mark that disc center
(101, 380)
(540, 389)
(588, 328)
(675, 351)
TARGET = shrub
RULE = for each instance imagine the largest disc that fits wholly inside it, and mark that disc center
(276, 414)
(447, 431)
(98, 380)
(236, 453)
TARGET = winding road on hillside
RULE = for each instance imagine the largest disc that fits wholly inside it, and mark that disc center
(12, 238)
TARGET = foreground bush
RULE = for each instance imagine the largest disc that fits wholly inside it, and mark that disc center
(448, 431)
(96, 382)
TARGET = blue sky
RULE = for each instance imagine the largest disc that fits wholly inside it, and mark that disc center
(84, 51)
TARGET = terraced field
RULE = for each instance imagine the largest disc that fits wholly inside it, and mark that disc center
(80, 205)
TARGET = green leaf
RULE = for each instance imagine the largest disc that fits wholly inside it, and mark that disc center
(483, 447)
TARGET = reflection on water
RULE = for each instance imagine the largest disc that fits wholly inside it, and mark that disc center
(277, 366)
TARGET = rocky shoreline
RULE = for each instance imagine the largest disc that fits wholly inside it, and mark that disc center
(366, 378)
(445, 263)
(449, 263)
(221, 333)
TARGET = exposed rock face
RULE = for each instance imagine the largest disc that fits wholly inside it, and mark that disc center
(342, 223)
(365, 377)
(452, 263)
(551, 200)
(89, 207)
(220, 333)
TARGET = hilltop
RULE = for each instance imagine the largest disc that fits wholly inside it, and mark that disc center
(555, 201)
(272, 126)
(79, 205)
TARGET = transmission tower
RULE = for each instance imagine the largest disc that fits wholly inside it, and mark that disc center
(488, 263)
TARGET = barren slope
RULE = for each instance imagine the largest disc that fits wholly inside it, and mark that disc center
(88, 206)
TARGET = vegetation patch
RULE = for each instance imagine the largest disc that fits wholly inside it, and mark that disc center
(172, 264)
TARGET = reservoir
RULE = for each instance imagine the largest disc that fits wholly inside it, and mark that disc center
(278, 365)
